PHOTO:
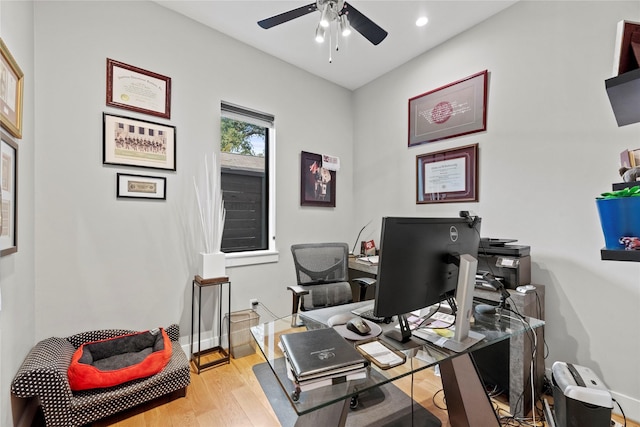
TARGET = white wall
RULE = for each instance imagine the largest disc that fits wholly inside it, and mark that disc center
(17, 279)
(551, 146)
(103, 262)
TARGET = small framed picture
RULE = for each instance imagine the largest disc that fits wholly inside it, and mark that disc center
(317, 184)
(11, 87)
(132, 142)
(447, 176)
(141, 187)
(9, 198)
(135, 89)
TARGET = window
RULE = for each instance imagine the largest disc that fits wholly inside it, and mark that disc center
(247, 141)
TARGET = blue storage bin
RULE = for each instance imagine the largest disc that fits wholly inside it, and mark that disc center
(619, 217)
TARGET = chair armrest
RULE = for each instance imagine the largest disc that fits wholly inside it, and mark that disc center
(298, 290)
(365, 281)
(44, 371)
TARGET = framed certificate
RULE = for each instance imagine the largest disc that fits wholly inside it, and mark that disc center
(447, 176)
(135, 89)
(459, 108)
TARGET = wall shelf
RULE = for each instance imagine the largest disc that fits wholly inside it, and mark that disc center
(620, 255)
(624, 92)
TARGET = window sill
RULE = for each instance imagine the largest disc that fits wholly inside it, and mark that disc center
(238, 259)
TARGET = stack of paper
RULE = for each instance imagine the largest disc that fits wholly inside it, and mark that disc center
(321, 357)
(371, 260)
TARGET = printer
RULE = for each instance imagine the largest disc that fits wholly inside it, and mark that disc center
(579, 397)
(509, 263)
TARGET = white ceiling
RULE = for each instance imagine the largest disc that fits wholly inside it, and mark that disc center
(358, 61)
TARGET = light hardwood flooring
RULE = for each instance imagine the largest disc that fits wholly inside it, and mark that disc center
(230, 395)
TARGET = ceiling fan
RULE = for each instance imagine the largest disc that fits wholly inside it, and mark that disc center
(339, 11)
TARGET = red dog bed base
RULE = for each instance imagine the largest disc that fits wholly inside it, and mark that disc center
(114, 361)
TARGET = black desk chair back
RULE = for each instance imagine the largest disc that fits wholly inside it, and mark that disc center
(322, 275)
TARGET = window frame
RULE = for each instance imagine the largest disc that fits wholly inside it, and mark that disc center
(269, 255)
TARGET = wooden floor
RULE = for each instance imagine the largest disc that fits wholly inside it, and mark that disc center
(230, 395)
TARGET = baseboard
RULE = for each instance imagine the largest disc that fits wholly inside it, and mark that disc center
(204, 344)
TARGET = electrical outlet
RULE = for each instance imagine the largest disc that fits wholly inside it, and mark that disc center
(254, 303)
(614, 423)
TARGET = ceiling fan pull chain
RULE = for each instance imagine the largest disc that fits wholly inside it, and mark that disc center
(330, 43)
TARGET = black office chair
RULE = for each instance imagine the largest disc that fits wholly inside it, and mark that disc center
(322, 273)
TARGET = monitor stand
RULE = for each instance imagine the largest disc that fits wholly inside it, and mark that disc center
(404, 333)
(463, 338)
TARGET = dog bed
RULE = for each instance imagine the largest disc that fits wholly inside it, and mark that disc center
(114, 361)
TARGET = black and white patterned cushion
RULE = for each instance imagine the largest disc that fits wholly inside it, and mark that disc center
(44, 374)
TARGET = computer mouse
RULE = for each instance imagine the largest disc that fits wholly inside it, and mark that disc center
(526, 288)
(358, 326)
(339, 319)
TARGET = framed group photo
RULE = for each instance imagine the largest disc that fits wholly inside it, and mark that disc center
(135, 89)
(317, 184)
(11, 88)
(447, 176)
(457, 109)
(9, 195)
(133, 142)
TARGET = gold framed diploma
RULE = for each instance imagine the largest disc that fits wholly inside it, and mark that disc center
(11, 88)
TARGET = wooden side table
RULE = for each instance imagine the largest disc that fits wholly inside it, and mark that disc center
(217, 354)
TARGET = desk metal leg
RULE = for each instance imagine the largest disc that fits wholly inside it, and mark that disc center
(467, 401)
(332, 415)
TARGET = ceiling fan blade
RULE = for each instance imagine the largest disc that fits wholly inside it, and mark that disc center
(287, 16)
(365, 26)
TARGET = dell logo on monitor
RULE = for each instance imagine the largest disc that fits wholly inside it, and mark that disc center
(453, 233)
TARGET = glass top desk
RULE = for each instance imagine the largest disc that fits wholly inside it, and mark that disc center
(467, 401)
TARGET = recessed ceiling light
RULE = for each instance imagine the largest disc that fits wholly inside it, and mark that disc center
(422, 21)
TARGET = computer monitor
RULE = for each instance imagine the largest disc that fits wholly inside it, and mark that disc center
(424, 261)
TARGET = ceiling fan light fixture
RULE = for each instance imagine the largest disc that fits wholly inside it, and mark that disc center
(320, 34)
(345, 28)
(324, 18)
